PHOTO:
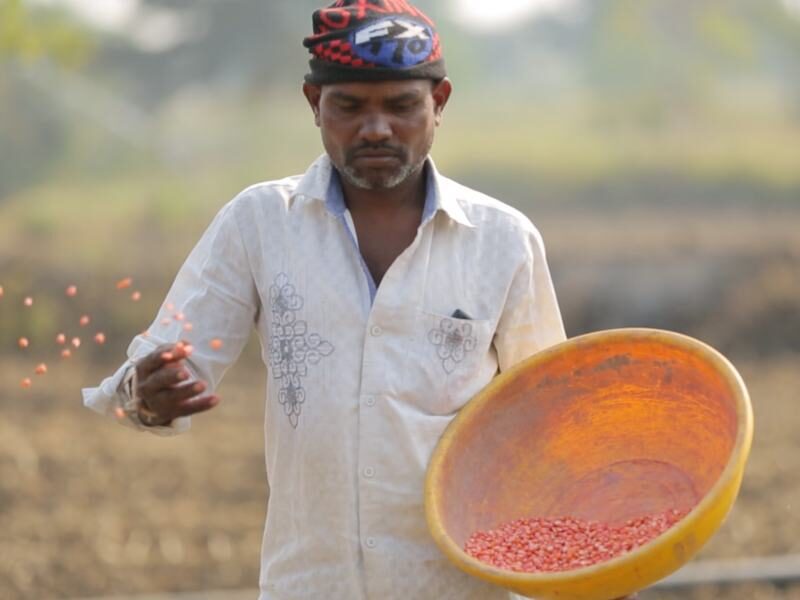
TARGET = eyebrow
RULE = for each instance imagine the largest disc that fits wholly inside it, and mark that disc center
(398, 99)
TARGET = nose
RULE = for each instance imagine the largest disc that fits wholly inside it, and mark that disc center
(376, 127)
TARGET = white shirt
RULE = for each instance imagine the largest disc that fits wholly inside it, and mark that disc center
(359, 388)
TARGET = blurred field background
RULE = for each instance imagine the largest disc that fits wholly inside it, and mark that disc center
(655, 143)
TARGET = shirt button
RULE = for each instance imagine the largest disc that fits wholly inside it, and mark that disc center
(369, 400)
(370, 542)
(369, 472)
(375, 331)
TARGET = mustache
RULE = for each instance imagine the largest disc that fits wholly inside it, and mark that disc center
(399, 152)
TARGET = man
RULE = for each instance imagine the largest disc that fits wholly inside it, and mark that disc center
(385, 296)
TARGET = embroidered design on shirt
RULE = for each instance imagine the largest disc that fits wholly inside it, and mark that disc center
(292, 348)
(453, 341)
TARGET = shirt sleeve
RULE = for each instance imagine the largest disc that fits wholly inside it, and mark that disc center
(214, 291)
(531, 319)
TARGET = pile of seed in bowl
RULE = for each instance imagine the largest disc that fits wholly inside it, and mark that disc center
(548, 545)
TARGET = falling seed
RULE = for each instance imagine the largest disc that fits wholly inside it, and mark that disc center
(66, 353)
(216, 344)
(136, 296)
(165, 321)
(124, 283)
(28, 301)
(170, 306)
(119, 412)
(26, 383)
(76, 342)
(84, 320)
(61, 339)
(188, 327)
(23, 342)
(41, 369)
(1, 291)
(72, 291)
(100, 338)
(179, 316)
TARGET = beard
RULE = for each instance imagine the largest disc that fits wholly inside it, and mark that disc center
(380, 180)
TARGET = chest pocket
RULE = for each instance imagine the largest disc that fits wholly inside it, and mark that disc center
(455, 358)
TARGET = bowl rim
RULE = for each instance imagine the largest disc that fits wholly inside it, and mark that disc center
(734, 466)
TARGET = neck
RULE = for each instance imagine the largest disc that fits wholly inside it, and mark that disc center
(409, 194)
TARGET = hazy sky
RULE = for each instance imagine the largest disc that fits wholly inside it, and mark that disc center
(480, 14)
(477, 14)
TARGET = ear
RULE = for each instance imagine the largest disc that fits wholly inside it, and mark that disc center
(441, 94)
(313, 93)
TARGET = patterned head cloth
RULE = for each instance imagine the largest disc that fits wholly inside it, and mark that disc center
(373, 40)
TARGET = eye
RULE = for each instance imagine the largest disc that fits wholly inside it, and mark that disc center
(404, 107)
(349, 108)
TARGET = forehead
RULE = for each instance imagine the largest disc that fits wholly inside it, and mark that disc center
(379, 90)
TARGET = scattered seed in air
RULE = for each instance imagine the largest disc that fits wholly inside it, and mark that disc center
(1, 291)
(100, 338)
(170, 306)
(215, 344)
(72, 291)
(28, 302)
(123, 284)
(66, 353)
(61, 339)
(84, 320)
(41, 369)
(23, 342)
(76, 342)
(26, 383)
(179, 316)
(119, 412)
(136, 296)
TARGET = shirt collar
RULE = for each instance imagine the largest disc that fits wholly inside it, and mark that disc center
(321, 183)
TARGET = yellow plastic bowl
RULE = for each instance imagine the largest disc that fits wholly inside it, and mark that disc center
(606, 426)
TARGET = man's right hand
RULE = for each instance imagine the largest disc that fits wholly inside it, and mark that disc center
(164, 389)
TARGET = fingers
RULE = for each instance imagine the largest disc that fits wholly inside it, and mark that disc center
(168, 376)
(162, 355)
(179, 401)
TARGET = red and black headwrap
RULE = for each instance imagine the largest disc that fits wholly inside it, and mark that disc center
(373, 40)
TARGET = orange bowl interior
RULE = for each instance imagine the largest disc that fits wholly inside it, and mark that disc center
(607, 431)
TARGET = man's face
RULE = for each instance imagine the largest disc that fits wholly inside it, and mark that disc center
(378, 134)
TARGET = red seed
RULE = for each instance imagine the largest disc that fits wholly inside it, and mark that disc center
(66, 353)
(28, 301)
(124, 283)
(72, 291)
(76, 342)
(84, 320)
(566, 543)
(188, 327)
(1, 291)
(61, 339)
(119, 412)
(136, 296)
(100, 337)
(41, 369)
(179, 316)
(26, 383)
(216, 344)
(23, 342)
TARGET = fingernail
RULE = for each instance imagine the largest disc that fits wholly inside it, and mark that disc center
(183, 375)
(199, 387)
(166, 356)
